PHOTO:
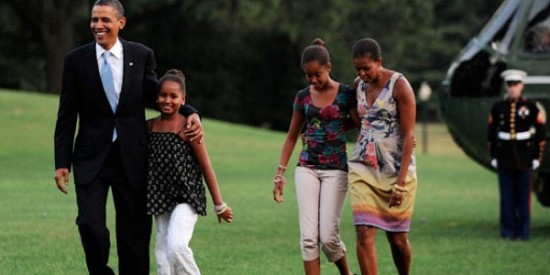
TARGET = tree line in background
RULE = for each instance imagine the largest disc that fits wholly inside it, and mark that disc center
(242, 57)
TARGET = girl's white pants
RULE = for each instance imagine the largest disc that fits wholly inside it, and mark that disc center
(174, 232)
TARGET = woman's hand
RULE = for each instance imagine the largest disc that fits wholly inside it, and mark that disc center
(279, 183)
(396, 197)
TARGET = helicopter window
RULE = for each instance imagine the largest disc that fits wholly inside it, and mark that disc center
(477, 77)
(537, 32)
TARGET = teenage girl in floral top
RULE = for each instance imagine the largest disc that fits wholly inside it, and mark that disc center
(320, 114)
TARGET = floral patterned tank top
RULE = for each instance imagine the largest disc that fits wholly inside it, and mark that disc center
(380, 140)
(324, 140)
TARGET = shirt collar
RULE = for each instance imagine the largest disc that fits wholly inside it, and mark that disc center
(116, 50)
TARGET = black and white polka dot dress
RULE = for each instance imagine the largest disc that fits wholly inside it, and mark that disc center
(173, 175)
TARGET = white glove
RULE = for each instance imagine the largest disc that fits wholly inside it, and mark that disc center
(494, 163)
(536, 164)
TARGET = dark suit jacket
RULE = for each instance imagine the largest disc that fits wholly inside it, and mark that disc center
(515, 116)
(83, 97)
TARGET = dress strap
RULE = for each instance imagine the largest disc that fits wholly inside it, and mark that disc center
(182, 127)
(393, 79)
(150, 123)
(359, 86)
(178, 134)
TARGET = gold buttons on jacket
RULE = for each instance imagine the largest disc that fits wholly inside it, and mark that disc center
(513, 120)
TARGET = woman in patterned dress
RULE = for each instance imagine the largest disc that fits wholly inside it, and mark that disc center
(320, 110)
(382, 172)
(175, 191)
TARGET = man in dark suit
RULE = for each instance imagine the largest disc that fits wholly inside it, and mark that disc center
(106, 86)
(516, 137)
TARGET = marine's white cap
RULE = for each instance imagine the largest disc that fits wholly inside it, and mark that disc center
(513, 75)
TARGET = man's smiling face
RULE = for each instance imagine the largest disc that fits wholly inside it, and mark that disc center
(105, 25)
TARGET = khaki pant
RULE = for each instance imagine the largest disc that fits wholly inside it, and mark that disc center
(321, 195)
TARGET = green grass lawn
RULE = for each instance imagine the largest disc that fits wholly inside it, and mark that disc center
(454, 227)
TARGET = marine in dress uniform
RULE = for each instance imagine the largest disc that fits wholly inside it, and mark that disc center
(516, 140)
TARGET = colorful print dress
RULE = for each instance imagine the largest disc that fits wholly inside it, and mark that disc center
(380, 142)
(173, 175)
(324, 137)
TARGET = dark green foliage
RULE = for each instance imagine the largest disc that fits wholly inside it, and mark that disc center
(241, 57)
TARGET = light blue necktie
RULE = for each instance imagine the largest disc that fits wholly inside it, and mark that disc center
(108, 84)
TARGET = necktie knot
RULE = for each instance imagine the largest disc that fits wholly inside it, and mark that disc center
(106, 55)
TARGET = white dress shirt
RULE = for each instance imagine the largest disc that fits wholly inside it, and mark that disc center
(116, 59)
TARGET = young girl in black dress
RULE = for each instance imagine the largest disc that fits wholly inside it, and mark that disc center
(175, 191)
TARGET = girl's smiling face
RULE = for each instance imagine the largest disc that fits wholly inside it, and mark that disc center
(170, 97)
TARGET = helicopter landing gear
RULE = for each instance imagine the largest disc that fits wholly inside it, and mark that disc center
(541, 188)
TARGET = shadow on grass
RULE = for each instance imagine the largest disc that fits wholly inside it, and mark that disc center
(541, 231)
(475, 229)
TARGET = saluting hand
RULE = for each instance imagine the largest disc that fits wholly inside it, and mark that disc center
(536, 164)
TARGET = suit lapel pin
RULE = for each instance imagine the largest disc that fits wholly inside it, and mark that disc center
(131, 64)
